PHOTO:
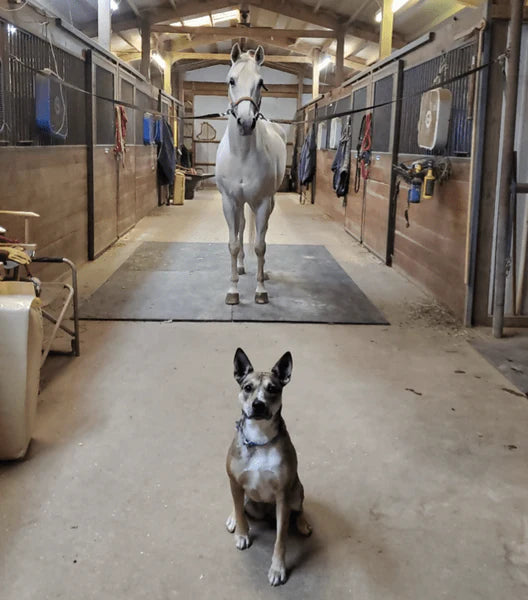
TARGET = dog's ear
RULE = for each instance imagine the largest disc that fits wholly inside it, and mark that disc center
(243, 366)
(259, 55)
(235, 53)
(283, 368)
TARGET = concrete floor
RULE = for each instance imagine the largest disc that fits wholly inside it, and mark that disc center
(412, 450)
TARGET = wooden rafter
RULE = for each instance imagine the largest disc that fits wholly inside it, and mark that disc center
(265, 32)
(271, 58)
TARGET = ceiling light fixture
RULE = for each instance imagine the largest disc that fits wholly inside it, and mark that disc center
(396, 5)
(114, 5)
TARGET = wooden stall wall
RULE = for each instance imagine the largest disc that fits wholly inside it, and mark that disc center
(146, 190)
(105, 199)
(431, 251)
(51, 181)
(325, 196)
(375, 221)
(126, 196)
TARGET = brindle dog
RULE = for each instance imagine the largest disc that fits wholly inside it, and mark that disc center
(262, 462)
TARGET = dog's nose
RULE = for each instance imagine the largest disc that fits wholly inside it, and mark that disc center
(258, 406)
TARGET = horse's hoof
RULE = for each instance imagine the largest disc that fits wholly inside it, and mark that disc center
(241, 271)
(232, 298)
(261, 298)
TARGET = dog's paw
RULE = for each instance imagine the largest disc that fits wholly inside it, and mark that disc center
(277, 574)
(242, 541)
(303, 527)
(231, 523)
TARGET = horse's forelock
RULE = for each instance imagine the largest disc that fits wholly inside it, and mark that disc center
(246, 58)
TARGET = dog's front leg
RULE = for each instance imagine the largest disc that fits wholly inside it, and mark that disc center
(277, 572)
(242, 528)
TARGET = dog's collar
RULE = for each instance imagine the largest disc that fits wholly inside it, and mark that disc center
(240, 427)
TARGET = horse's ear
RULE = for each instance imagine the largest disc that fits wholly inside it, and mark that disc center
(235, 53)
(259, 55)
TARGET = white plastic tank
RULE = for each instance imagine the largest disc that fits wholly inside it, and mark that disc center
(21, 336)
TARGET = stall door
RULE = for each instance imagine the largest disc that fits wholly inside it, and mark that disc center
(376, 212)
(355, 199)
(103, 175)
(126, 163)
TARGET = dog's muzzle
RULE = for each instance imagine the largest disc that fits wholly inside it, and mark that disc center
(259, 410)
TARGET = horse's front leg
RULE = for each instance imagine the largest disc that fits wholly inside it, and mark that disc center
(232, 216)
(240, 268)
(262, 215)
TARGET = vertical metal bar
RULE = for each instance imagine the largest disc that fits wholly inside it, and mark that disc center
(90, 139)
(393, 204)
(508, 139)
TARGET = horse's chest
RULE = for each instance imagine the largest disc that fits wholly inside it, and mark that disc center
(261, 475)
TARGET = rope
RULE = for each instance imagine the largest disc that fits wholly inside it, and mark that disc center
(319, 119)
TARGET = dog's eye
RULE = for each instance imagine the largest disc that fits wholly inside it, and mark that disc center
(231, 81)
(272, 389)
(248, 388)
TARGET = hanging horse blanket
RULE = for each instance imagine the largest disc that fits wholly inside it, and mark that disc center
(341, 164)
(166, 155)
(308, 155)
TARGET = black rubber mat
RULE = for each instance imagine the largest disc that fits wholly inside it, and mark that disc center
(188, 282)
(509, 355)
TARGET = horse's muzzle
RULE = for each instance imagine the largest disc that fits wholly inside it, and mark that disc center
(246, 126)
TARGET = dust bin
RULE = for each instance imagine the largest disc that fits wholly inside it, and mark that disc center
(189, 188)
(20, 354)
(179, 187)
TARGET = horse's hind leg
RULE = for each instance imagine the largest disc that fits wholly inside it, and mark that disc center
(262, 215)
(242, 226)
(232, 216)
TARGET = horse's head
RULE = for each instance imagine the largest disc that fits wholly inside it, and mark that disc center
(245, 87)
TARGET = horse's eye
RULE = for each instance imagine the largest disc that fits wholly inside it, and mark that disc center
(248, 388)
(231, 81)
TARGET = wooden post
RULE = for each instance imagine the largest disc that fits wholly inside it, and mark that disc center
(506, 143)
(104, 23)
(167, 75)
(300, 89)
(144, 68)
(315, 72)
(180, 96)
(387, 18)
(340, 58)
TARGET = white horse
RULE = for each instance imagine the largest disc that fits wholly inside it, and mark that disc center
(250, 165)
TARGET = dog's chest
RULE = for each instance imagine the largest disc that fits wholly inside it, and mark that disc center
(261, 474)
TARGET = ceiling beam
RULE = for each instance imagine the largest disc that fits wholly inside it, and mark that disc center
(267, 32)
(271, 58)
(291, 8)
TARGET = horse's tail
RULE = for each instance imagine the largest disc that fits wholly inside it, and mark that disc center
(251, 226)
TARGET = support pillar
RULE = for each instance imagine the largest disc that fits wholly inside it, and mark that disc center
(144, 68)
(506, 164)
(167, 75)
(315, 72)
(300, 89)
(387, 18)
(104, 23)
(340, 58)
